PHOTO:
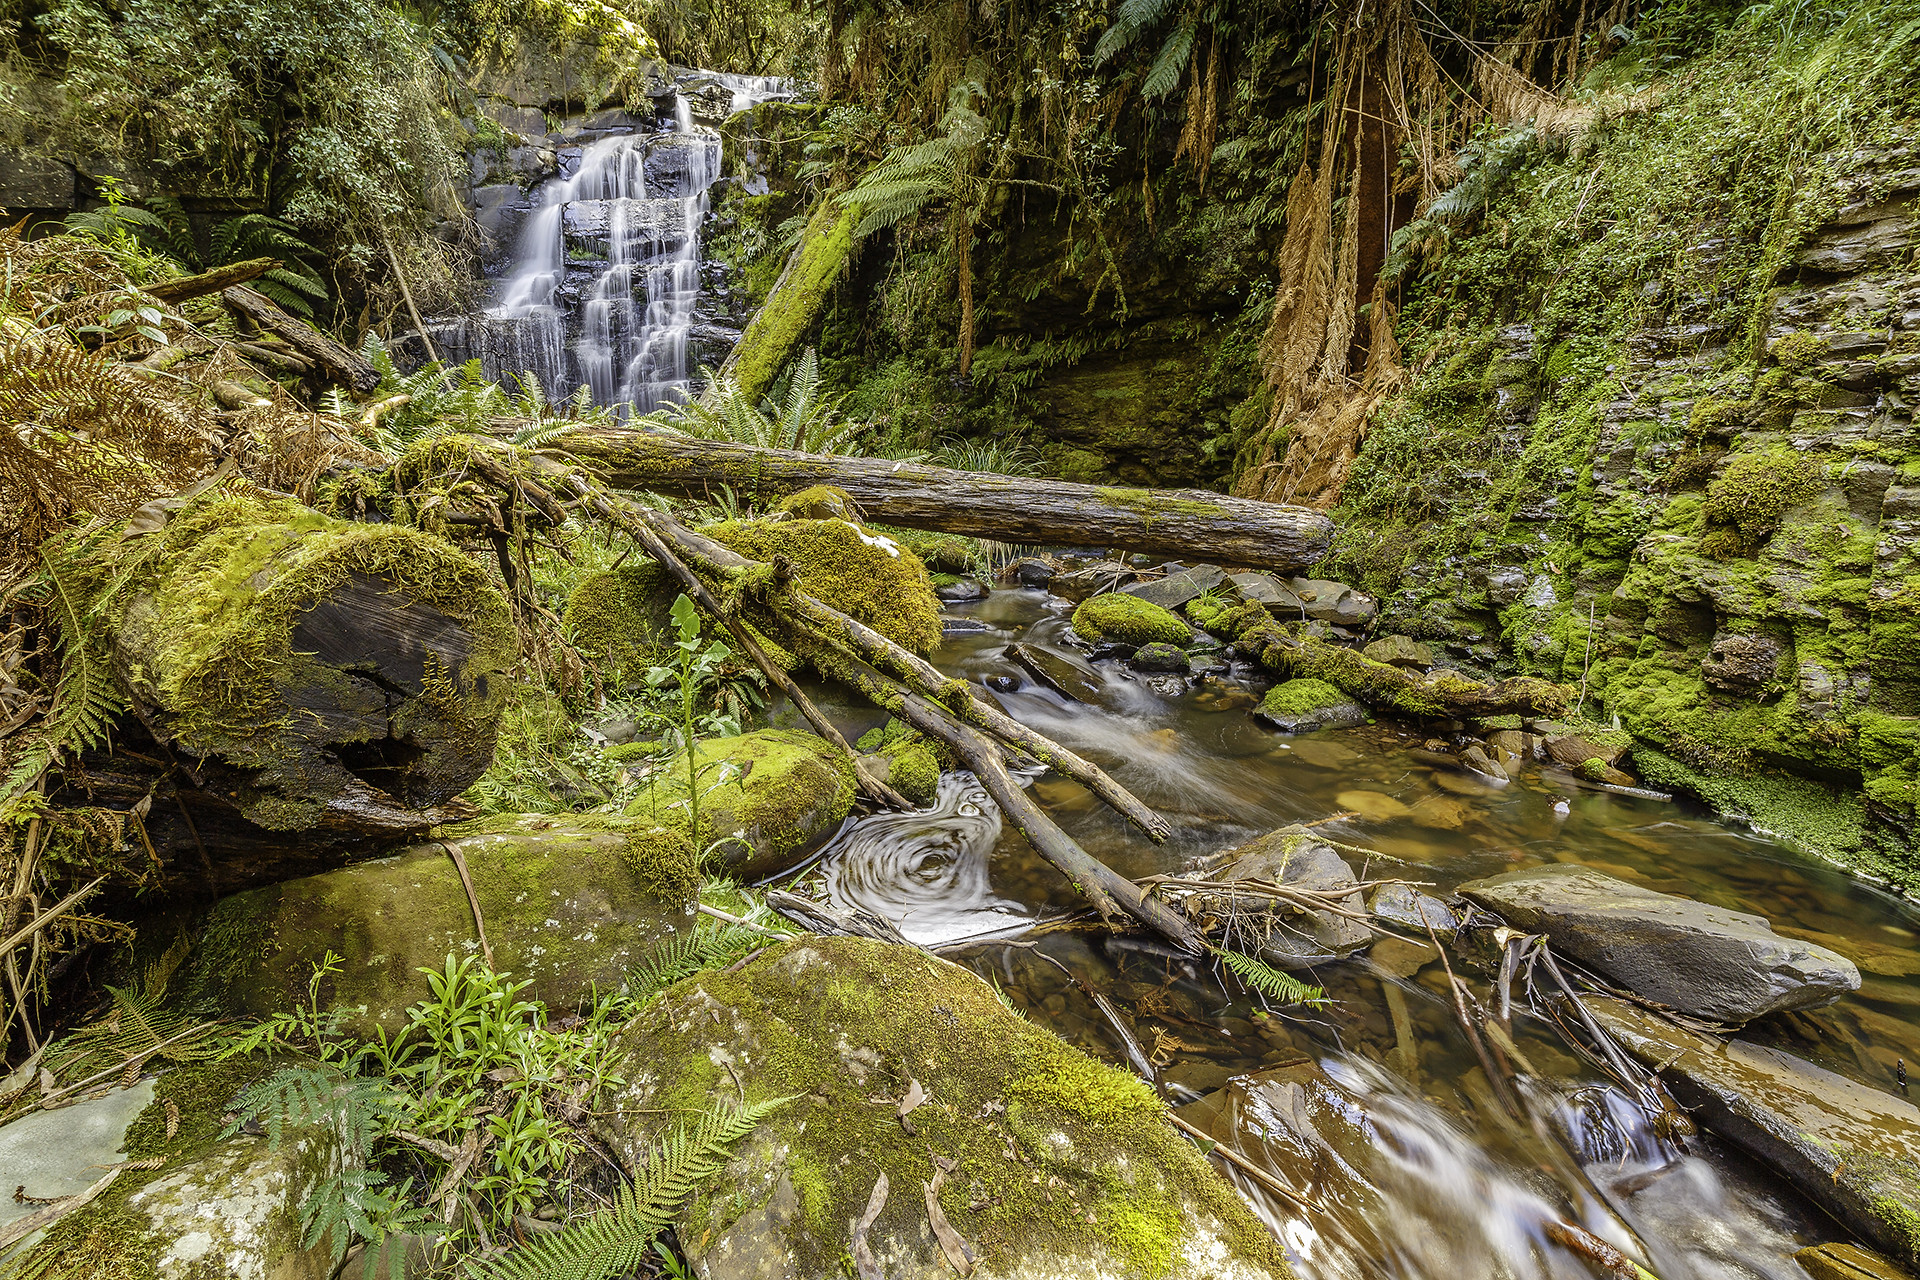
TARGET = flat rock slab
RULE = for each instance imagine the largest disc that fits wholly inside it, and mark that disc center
(1176, 589)
(1853, 1150)
(1264, 588)
(1065, 676)
(1727, 966)
(63, 1152)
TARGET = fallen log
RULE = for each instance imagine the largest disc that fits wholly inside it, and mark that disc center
(1439, 693)
(1202, 526)
(339, 363)
(214, 281)
(313, 674)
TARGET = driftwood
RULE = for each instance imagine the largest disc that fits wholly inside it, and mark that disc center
(213, 281)
(337, 362)
(1201, 526)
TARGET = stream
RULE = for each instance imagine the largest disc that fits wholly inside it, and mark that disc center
(1414, 1170)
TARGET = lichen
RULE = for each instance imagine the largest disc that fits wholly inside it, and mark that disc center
(1127, 619)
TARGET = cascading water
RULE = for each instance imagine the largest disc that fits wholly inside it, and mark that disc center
(606, 275)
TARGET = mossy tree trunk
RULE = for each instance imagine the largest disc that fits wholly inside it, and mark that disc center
(1203, 526)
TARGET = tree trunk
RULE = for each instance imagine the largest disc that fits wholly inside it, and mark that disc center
(313, 674)
(339, 363)
(1189, 523)
(794, 302)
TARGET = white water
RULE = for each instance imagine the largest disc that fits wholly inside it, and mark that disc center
(606, 274)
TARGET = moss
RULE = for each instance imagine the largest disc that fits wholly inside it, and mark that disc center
(620, 619)
(764, 797)
(663, 861)
(1058, 1157)
(821, 502)
(869, 577)
(1297, 697)
(1127, 619)
(940, 551)
(915, 771)
(1746, 501)
(791, 309)
(623, 752)
(944, 579)
(1798, 351)
(1594, 770)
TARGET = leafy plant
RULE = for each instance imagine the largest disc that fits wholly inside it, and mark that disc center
(1275, 984)
(804, 419)
(708, 945)
(620, 1238)
(695, 665)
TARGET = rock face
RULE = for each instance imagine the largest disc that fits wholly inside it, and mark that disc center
(1853, 1150)
(1703, 960)
(566, 904)
(1289, 937)
(767, 799)
(1059, 1166)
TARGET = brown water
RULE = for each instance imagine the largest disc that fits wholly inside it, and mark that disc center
(1414, 1170)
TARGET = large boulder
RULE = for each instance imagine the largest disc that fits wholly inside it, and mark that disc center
(1286, 935)
(1043, 1161)
(1703, 960)
(864, 574)
(767, 799)
(568, 903)
(1851, 1149)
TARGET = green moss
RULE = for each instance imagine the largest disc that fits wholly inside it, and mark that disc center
(764, 797)
(825, 248)
(1746, 501)
(1798, 351)
(869, 577)
(663, 861)
(915, 771)
(620, 620)
(821, 502)
(1297, 697)
(1127, 619)
(1594, 770)
(1095, 1173)
(622, 752)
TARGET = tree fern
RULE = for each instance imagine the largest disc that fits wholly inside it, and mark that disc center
(620, 1238)
(1130, 20)
(1275, 984)
(707, 945)
(1164, 75)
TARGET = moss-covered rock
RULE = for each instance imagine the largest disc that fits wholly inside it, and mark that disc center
(568, 903)
(1746, 501)
(1124, 619)
(867, 576)
(1303, 705)
(821, 502)
(620, 618)
(1062, 1167)
(766, 799)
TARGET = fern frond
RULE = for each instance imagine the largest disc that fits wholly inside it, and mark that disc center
(355, 1107)
(1275, 984)
(1164, 76)
(708, 945)
(620, 1238)
(86, 699)
(1131, 19)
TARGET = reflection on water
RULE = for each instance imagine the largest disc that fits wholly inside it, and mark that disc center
(1421, 1173)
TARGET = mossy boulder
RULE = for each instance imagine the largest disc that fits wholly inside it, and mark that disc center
(867, 576)
(1116, 618)
(568, 902)
(621, 618)
(821, 502)
(1061, 1166)
(768, 798)
(1306, 704)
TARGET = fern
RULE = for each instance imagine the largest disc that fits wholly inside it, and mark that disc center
(85, 701)
(1270, 982)
(351, 1204)
(1130, 20)
(355, 1107)
(620, 1238)
(707, 946)
(1174, 55)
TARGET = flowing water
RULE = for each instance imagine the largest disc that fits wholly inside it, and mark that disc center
(607, 273)
(1414, 1170)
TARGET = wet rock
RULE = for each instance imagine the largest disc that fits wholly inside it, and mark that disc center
(1334, 602)
(1840, 1261)
(1852, 1150)
(1302, 706)
(1404, 905)
(1289, 937)
(960, 591)
(1176, 589)
(1377, 806)
(1573, 750)
(1002, 683)
(962, 627)
(1526, 746)
(1160, 657)
(568, 903)
(1092, 579)
(62, 1153)
(1443, 813)
(1476, 760)
(1402, 958)
(1599, 771)
(1742, 664)
(1208, 664)
(1402, 651)
(1051, 1164)
(1032, 572)
(1707, 961)
(1265, 589)
(1068, 677)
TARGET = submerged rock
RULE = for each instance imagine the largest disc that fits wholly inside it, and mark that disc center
(1852, 1150)
(1044, 1162)
(1304, 705)
(568, 903)
(767, 799)
(1703, 960)
(1068, 677)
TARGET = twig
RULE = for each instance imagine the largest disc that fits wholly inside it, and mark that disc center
(762, 930)
(46, 1103)
(21, 1228)
(473, 899)
(1246, 1166)
(46, 917)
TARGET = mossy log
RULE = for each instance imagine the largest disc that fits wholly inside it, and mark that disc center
(795, 300)
(315, 675)
(214, 281)
(1202, 526)
(339, 363)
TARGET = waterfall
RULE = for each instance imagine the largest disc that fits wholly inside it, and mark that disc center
(605, 278)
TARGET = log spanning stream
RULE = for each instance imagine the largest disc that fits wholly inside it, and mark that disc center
(1415, 1171)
